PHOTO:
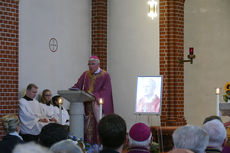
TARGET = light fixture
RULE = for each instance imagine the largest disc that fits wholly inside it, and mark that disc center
(190, 56)
(152, 9)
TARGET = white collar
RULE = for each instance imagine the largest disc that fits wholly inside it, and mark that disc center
(15, 134)
(98, 71)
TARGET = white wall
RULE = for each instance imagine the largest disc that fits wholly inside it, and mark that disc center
(69, 21)
(133, 49)
(207, 30)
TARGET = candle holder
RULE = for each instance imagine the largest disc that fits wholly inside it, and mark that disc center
(190, 56)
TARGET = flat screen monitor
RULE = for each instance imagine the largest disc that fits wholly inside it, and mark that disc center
(148, 95)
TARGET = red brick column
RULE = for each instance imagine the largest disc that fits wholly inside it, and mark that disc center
(8, 58)
(99, 31)
(171, 49)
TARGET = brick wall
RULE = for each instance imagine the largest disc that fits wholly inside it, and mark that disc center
(8, 58)
(99, 31)
(171, 49)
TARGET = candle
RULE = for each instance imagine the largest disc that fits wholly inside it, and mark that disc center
(100, 103)
(60, 110)
(217, 91)
(217, 101)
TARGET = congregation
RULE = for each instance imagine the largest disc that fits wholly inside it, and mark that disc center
(114, 137)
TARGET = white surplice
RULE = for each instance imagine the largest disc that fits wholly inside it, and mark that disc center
(30, 112)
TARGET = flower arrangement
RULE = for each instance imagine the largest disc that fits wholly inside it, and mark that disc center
(154, 148)
(226, 96)
(86, 147)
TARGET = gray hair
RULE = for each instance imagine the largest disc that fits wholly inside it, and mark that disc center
(135, 143)
(216, 132)
(30, 147)
(10, 123)
(93, 59)
(190, 137)
(66, 146)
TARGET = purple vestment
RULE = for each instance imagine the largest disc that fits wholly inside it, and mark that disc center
(100, 86)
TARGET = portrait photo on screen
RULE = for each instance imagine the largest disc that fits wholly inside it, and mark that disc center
(148, 95)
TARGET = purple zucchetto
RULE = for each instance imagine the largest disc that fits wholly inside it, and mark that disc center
(140, 132)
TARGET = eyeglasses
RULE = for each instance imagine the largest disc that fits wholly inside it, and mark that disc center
(92, 63)
(48, 95)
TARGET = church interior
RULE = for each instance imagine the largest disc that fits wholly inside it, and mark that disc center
(49, 42)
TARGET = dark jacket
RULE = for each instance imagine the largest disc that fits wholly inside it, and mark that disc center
(8, 143)
(108, 151)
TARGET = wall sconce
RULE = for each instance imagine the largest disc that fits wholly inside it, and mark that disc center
(190, 56)
(152, 9)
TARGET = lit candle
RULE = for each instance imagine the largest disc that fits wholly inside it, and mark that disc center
(60, 110)
(100, 103)
(217, 101)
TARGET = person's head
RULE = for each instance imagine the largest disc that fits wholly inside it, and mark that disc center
(149, 87)
(52, 133)
(65, 146)
(31, 91)
(212, 117)
(10, 123)
(190, 137)
(112, 131)
(180, 151)
(55, 100)
(93, 63)
(46, 96)
(30, 147)
(140, 135)
(216, 132)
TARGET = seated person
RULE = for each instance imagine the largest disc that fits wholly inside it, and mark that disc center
(112, 133)
(11, 127)
(66, 146)
(217, 135)
(30, 147)
(212, 117)
(190, 137)
(33, 115)
(52, 133)
(46, 97)
(140, 138)
(65, 114)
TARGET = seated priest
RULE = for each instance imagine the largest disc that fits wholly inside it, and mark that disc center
(33, 115)
(140, 138)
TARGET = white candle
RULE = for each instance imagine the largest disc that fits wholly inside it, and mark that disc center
(60, 114)
(60, 110)
(217, 101)
(217, 91)
(100, 104)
